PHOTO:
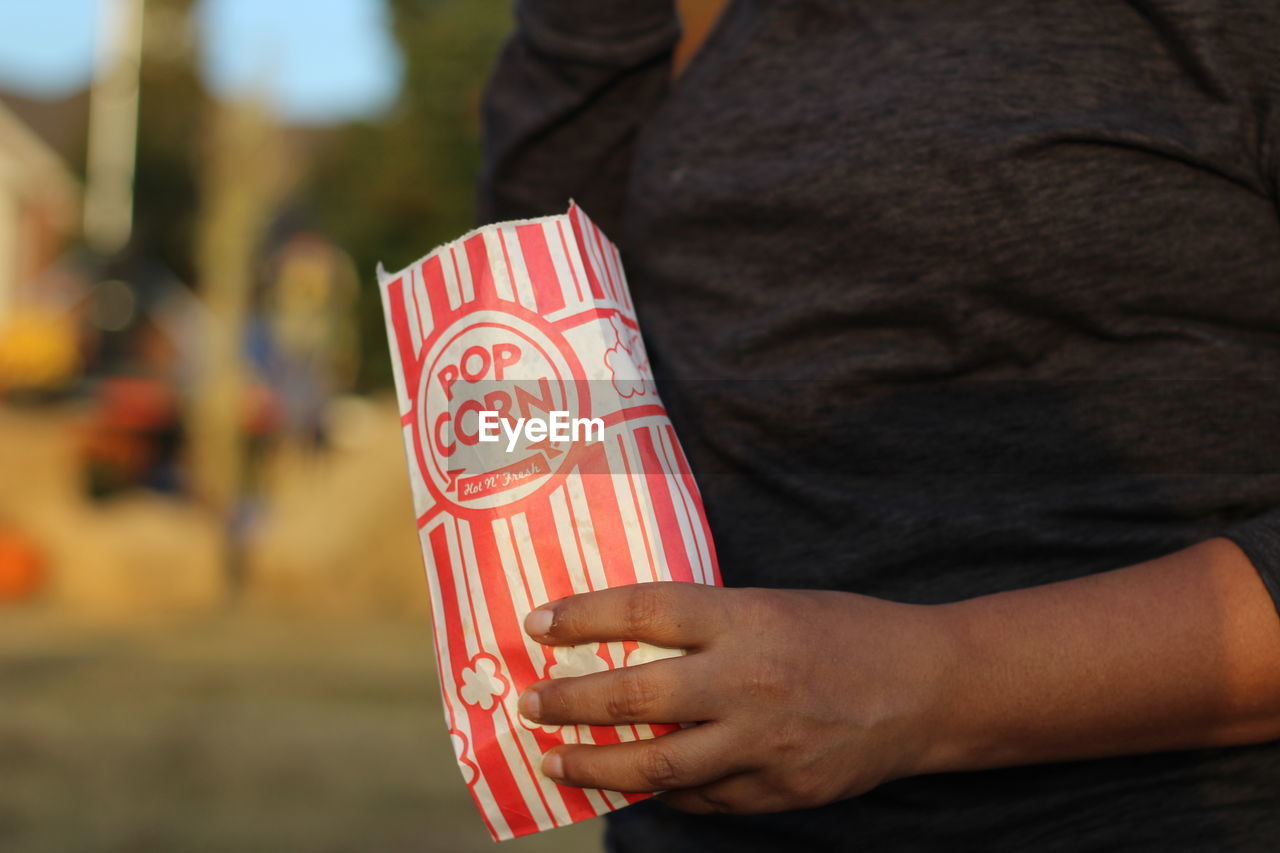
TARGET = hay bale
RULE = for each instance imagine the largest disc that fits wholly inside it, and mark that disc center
(136, 556)
(40, 461)
(339, 536)
(143, 555)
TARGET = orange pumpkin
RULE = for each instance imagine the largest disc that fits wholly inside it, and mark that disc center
(21, 567)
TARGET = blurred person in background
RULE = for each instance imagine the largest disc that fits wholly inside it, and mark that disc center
(968, 314)
(304, 339)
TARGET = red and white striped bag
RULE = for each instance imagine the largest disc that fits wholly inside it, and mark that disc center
(523, 319)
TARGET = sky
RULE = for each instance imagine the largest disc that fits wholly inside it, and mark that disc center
(318, 60)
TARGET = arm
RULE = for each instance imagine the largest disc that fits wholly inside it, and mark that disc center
(1177, 653)
(806, 697)
(565, 100)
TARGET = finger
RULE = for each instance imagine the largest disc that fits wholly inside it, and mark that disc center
(671, 614)
(689, 757)
(741, 793)
(676, 690)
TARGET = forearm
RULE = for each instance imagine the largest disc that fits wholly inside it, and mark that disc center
(565, 100)
(1181, 652)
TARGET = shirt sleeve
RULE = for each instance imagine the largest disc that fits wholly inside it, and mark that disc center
(565, 101)
(1259, 538)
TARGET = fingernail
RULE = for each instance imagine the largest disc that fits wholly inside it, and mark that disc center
(553, 766)
(531, 705)
(538, 622)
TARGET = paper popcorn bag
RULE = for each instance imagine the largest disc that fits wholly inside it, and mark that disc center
(542, 464)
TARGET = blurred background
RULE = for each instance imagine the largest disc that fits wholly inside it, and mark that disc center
(214, 634)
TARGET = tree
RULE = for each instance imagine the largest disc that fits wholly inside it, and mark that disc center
(392, 189)
(172, 109)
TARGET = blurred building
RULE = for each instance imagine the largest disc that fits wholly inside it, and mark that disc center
(39, 218)
(39, 206)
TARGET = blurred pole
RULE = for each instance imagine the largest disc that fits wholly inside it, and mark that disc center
(240, 186)
(113, 127)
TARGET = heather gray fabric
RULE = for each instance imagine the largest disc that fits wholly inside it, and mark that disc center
(945, 297)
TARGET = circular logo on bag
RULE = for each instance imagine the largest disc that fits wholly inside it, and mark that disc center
(496, 409)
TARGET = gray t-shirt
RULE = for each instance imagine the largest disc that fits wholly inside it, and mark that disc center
(945, 297)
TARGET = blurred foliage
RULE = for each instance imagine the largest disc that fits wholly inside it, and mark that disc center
(172, 106)
(172, 109)
(387, 189)
(391, 190)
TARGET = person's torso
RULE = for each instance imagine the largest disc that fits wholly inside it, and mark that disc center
(954, 296)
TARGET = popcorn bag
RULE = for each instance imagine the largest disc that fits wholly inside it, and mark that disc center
(542, 464)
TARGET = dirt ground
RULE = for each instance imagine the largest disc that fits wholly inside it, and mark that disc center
(231, 732)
